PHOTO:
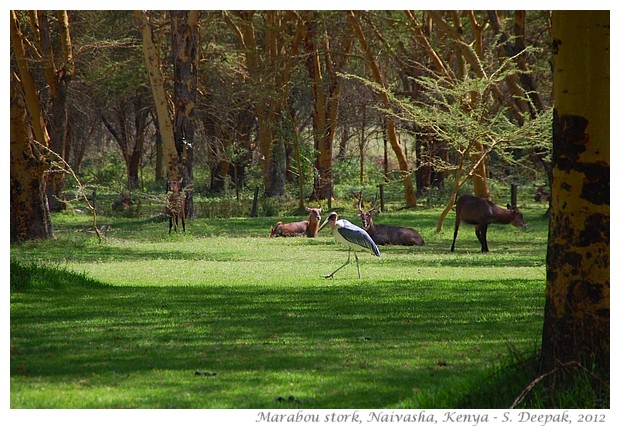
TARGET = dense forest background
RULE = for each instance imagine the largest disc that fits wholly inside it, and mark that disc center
(303, 105)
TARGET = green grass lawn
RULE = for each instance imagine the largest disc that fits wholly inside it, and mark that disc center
(226, 317)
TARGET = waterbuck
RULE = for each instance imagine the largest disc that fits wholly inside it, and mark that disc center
(308, 227)
(387, 234)
(481, 213)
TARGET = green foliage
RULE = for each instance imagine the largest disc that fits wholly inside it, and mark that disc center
(110, 60)
(222, 207)
(105, 170)
(347, 178)
(225, 317)
(462, 112)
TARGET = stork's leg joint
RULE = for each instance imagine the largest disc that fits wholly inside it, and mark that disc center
(331, 276)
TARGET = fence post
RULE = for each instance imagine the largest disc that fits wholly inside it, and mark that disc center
(329, 199)
(253, 213)
(513, 195)
(381, 197)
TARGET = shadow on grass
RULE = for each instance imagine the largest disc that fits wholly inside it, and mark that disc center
(389, 346)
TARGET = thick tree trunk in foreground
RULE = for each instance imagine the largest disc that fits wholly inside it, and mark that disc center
(577, 313)
(30, 216)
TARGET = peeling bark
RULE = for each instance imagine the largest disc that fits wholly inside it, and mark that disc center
(577, 311)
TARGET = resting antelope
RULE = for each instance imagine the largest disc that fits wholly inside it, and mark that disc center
(307, 227)
(387, 234)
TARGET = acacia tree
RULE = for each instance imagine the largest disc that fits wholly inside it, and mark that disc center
(30, 217)
(577, 313)
(446, 110)
(184, 44)
(324, 66)
(410, 198)
(58, 70)
(126, 118)
(270, 42)
(162, 102)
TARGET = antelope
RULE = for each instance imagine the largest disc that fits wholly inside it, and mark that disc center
(176, 205)
(387, 234)
(309, 227)
(481, 213)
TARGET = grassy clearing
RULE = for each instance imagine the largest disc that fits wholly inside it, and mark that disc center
(225, 317)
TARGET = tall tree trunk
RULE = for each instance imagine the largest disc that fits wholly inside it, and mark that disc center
(131, 146)
(161, 99)
(30, 216)
(577, 312)
(57, 78)
(297, 154)
(184, 43)
(326, 99)
(31, 94)
(135, 158)
(410, 199)
(265, 104)
(271, 75)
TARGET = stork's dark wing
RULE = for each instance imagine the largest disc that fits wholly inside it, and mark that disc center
(357, 235)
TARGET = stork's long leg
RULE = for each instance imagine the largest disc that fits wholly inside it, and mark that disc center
(359, 275)
(331, 276)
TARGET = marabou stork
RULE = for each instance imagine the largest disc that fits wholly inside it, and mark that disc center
(352, 236)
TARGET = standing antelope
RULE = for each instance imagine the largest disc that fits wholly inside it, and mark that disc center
(481, 213)
(307, 227)
(176, 205)
(387, 234)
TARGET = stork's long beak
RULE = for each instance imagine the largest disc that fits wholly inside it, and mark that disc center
(323, 224)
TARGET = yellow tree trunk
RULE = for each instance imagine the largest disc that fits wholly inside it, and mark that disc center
(270, 60)
(162, 106)
(410, 198)
(326, 96)
(57, 73)
(27, 83)
(30, 217)
(577, 313)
